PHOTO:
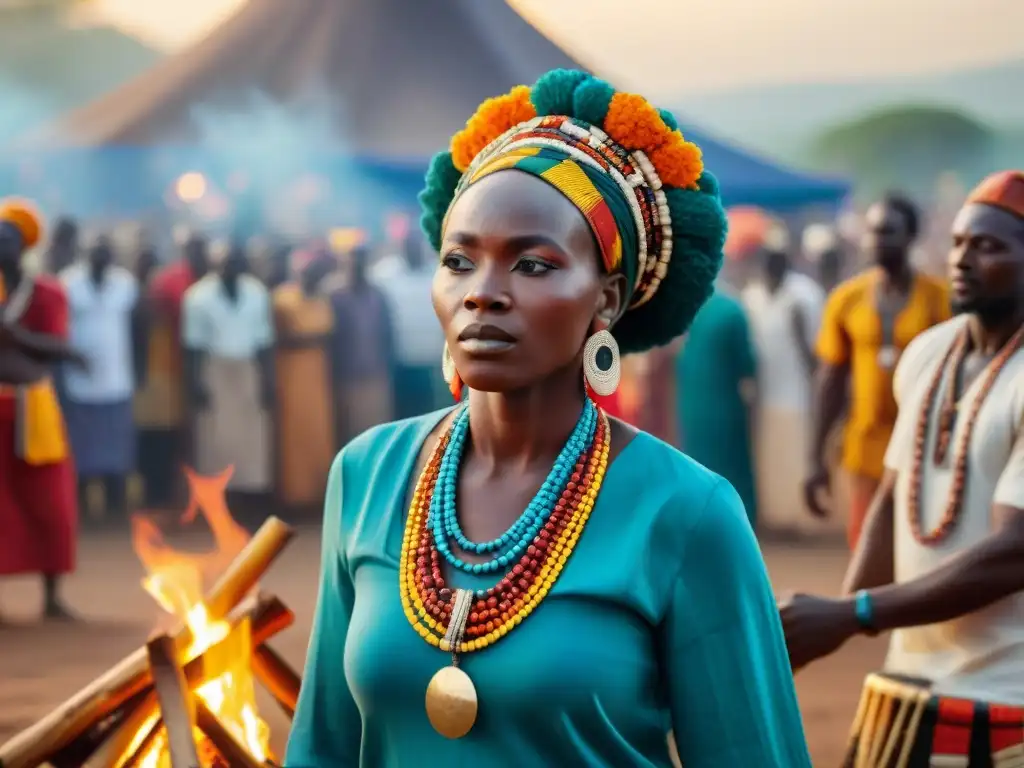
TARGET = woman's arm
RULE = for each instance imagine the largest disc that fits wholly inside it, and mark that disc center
(731, 687)
(327, 727)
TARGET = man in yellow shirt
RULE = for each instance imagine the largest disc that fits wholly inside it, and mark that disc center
(868, 321)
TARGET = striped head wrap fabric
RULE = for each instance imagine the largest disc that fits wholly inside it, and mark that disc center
(593, 192)
(641, 187)
(1004, 190)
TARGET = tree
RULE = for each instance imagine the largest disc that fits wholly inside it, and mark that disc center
(908, 147)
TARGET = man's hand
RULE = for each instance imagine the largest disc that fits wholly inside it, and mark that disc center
(816, 626)
(817, 482)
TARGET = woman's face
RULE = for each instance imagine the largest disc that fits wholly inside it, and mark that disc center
(519, 288)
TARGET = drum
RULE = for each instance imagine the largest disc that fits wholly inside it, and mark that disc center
(901, 724)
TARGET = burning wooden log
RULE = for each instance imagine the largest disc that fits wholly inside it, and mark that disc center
(106, 695)
(177, 706)
(277, 676)
(232, 750)
(129, 736)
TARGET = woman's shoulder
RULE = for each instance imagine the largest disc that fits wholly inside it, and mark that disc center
(677, 490)
(389, 445)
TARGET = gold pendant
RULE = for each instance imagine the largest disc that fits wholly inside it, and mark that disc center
(451, 702)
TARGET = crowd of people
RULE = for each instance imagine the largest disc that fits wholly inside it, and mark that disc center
(583, 308)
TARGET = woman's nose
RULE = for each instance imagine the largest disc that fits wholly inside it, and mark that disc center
(488, 291)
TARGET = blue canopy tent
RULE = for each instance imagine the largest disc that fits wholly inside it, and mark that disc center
(749, 180)
(336, 88)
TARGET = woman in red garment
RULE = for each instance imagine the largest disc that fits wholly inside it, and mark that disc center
(38, 506)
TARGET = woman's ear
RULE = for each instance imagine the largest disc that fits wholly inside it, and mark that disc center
(611, 301)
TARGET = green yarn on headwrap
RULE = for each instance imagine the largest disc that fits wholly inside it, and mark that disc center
(441, 180)
(553, 92)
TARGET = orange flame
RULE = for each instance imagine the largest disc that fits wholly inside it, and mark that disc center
(176, 581)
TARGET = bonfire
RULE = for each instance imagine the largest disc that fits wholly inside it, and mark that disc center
(188, 697)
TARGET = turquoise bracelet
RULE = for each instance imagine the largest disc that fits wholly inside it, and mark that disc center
(864, 609)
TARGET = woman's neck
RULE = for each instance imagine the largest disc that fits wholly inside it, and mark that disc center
(514, 430)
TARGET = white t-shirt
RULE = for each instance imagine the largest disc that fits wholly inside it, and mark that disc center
(101, 329)
(419, 340)
(981, 655)
(783, 379)
(237, 329)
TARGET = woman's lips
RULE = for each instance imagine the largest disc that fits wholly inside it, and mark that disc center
(477, 346)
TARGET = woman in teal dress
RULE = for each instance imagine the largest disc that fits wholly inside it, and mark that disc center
(715, 379)
(453, 628)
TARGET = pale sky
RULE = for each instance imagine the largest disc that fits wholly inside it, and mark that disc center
(710, 43)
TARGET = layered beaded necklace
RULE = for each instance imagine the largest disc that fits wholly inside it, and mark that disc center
(530, 555)
(951, 363)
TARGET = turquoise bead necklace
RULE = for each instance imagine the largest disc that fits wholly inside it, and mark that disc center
(507, 548)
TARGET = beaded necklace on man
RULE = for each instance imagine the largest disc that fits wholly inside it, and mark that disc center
(530, 554)
(951, 365)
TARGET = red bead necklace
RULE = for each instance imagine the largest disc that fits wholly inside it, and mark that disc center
(951, 517)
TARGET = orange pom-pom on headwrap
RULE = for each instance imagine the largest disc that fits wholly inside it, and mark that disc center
(492, 118)
(25, 216)
(679, 162)
(635, 123)
(1004, 189)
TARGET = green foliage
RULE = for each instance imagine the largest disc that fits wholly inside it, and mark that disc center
(48, 66)
(907, 147)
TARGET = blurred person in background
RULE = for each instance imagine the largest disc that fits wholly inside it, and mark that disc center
(160, 400)
(716, 389)
(102, 297)
(363, 352)
(867, 323)
(38, 505)
(939, 562)
(228, 334)
(823, 248)
(784, 308)
(405, 282)
(63, 248)
(304, 334)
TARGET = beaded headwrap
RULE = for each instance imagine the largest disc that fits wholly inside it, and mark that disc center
(625, 165)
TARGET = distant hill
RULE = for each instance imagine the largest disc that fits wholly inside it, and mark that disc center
(48, 66)
(778, 119)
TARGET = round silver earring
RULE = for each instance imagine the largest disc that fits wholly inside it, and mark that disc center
(447, 365)
(601, 365)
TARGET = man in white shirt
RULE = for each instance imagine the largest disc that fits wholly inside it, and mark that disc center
(418, 339)
(228, 337)
(98, 400)
(784, 308)
(940, 561)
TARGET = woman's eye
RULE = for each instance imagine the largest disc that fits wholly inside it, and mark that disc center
(530, 266)
(456, 262)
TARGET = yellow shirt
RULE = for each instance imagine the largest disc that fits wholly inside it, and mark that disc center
(851, 334)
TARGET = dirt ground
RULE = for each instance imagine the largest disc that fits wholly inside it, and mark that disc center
(40, 665)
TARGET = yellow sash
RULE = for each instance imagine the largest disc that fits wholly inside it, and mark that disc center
(40, 434)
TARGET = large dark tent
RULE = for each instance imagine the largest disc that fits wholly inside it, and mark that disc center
(371, 86)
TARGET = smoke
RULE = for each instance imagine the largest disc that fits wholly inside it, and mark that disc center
(271, 165)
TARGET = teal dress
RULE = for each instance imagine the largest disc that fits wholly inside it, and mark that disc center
(663, 618)
(714, 420)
